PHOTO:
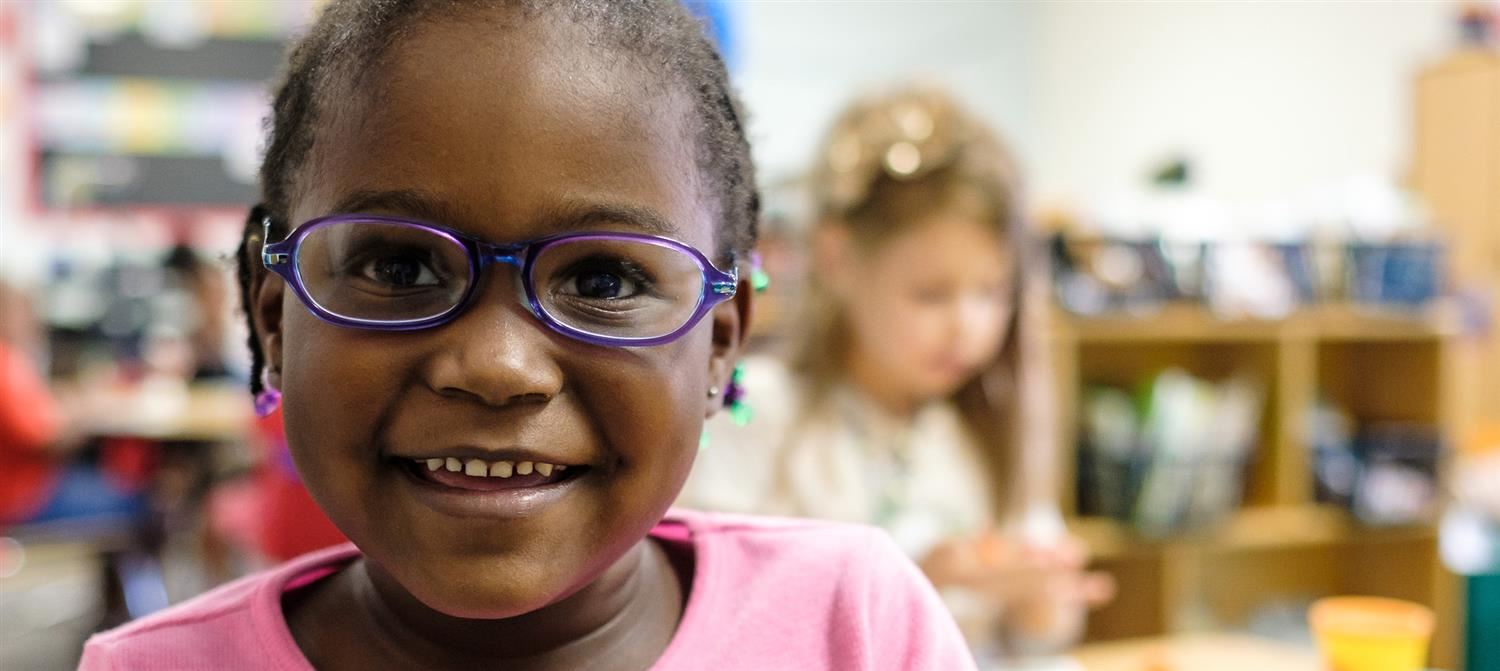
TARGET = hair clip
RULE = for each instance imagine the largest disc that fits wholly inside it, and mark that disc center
(902, 135)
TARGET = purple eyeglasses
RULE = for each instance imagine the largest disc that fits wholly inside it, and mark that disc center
(390, 274)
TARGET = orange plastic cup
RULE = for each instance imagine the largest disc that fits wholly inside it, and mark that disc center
(1366, 633)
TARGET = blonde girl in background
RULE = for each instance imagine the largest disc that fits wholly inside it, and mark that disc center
(917, 376)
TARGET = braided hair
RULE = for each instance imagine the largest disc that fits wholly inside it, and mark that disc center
(351, 38)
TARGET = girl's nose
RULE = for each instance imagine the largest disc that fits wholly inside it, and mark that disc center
(496, 352)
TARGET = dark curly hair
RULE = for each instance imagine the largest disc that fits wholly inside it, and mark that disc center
(351, 37)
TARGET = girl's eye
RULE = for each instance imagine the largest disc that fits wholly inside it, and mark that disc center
(931, 295)
(993, 292)
(602, 285)
(616, 280)
(399, 271)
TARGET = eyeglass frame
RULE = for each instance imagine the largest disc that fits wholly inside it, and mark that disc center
(280, 258)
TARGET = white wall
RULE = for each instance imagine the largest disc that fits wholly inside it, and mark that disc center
(800, 62)
(1269, 98)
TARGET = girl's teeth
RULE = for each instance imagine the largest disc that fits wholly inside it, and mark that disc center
(479, 468)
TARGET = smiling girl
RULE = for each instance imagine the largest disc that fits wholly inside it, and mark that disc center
(497, 290)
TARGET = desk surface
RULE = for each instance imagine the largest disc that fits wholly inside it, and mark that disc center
(201, 412)
(1197, 652)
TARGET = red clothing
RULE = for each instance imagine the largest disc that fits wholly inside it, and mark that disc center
(29, 421)
(291, 523)
(271, 511)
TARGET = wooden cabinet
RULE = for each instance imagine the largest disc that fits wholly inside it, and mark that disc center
(1456, 169)
(1282, 546)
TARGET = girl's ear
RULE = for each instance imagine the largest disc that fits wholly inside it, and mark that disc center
(833, 257)
(731, 326)
(266, 294)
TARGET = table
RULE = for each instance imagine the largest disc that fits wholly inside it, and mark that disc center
(1197, 652)
(204, 412)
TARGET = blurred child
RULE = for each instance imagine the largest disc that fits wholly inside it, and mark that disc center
(495, 295)
(902, 402)
(204, 283)
(37, 484)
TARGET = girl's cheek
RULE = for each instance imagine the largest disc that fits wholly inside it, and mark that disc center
(982, 332)
(984, 320)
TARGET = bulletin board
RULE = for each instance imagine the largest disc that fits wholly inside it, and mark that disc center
(150, 105)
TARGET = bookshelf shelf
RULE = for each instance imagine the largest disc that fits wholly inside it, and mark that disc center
(1193, 323)
(1281, 546)
(1267, 528)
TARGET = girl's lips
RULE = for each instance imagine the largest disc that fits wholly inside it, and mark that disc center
(533, 477)
(456, 494)
(953, 366)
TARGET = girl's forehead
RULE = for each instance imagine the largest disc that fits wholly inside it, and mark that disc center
(946, 231)
(528, 132)
(944, 244)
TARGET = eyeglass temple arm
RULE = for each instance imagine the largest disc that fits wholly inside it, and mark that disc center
(267, 257)
(729, 281)
(726, 287)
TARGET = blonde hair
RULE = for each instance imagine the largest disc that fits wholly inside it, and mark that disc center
(887, 163)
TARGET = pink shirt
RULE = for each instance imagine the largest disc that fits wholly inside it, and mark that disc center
(766, 593)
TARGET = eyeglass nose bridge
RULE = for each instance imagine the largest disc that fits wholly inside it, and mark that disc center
(512, 255)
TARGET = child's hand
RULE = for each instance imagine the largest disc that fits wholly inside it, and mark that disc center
(1018, 573)
(1009, 571)
(1043, 591)
(953, 562)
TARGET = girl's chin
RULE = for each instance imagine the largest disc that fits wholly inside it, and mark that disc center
(945, 383)
(481, 602)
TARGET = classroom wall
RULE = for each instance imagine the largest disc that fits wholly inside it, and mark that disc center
(1269, 98)
(800, 62)
(12, 177)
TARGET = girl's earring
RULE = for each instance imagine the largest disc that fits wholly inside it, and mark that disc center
(713, 393)
(734, 397)
(734, 392)
(267, 401)
(734, 401)
(759, 280)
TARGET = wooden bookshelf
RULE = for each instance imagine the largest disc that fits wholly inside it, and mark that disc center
(1281, 546)
(1456, 170)
(1193, 323)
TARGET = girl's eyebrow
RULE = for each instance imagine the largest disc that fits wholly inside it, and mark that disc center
(574, 215)
(409, 202)
(579, 214)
